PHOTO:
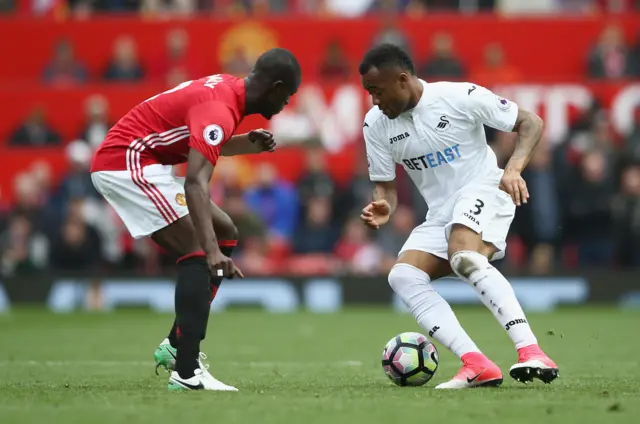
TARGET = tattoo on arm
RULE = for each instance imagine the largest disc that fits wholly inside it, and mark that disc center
(529, 127)
(388, 192)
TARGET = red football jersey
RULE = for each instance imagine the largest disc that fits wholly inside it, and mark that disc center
(202, 114)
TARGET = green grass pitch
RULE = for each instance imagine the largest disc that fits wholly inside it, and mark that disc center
(304, 368)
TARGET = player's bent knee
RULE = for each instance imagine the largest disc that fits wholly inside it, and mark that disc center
(402, 274)
(178, 238)
(234, 234)
(224, 227)
(227, 232)
(466, 262)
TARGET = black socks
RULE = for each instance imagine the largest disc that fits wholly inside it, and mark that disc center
(192, 312)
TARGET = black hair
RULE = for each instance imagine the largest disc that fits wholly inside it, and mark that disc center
(386, 55)
(279, 65)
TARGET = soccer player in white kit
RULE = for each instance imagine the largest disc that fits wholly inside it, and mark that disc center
(435, 131)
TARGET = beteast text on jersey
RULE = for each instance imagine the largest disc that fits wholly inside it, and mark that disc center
(432, 160)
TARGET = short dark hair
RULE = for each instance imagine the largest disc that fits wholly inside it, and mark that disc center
(279, 65)
(386, 55)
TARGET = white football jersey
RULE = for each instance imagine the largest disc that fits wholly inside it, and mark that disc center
(441, 142)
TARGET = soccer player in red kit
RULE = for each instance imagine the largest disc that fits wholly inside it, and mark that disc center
(193, 123)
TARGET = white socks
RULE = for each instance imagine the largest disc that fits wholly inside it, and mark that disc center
(432, 312)
(496, 293)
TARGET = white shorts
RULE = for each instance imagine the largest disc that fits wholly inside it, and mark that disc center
(485, 209)
(146, 201)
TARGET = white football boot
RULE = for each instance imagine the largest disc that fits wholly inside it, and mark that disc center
(211, 381)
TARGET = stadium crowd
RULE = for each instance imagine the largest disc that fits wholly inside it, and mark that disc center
(353, 8)
(585, 189)
(584, 211)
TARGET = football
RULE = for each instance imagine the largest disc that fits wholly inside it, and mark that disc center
(410, 359)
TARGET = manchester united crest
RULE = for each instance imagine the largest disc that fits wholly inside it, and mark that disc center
(181, 200)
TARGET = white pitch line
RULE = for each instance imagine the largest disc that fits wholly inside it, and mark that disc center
(151, 364)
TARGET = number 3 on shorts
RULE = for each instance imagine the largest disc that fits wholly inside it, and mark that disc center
(479, 205)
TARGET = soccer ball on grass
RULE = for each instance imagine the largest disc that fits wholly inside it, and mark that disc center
(410, 359)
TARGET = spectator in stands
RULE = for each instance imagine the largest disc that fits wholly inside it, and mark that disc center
(495, 69)
(35, 131)
(232, 175)
(441, 5)
(5, 208)
(335, 64)
(358, 253)
(577, 6)
(416, 8)
(391, 33)
(124, 65)
(30, 200)
(77, 183)
(347, 9)
(610, 58)
(590, 208)
(64, 69)
(443, 62)
(317, 233)
(248, 223)
(316, 181)
(274, 201)
(178, 65)
(626, 217)
(254, 258)
(540, 216)
(598, 135)
(392, 237)
(7, 6)
(278, 6)
(238, 64)
(23, 250)
(632, 142)
(167, 8)
(75, 246)
(391, 7)
(357, 193)
(96, 123)
(598, 6)
(635, 54)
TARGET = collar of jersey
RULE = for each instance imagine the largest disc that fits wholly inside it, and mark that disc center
(425, 99)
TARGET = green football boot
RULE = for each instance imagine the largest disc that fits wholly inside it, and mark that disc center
(165, 356)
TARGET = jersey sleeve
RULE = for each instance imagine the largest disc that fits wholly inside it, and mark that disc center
(210, 124)
(487, 108)
(381, 164)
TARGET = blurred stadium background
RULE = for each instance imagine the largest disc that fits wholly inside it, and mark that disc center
(71, 69)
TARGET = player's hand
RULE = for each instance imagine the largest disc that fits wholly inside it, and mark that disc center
(376, 214)
(514, 185)
(222, 266)
(263, 139)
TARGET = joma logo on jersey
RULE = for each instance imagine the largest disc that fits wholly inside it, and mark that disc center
(398, 137)
(472, 218)
(433, 160)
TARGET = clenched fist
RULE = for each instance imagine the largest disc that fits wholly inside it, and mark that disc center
(263, 139)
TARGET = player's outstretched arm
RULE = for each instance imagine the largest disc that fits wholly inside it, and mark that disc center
(196, 188)
(385, 201)
(256, 141)
(529, 127)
